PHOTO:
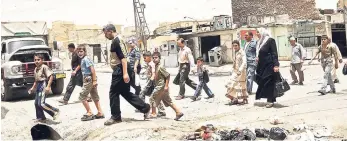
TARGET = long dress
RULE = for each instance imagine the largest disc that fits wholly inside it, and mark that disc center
(238, 84)
(266, 77)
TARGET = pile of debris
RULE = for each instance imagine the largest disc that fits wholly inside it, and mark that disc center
(301, 132)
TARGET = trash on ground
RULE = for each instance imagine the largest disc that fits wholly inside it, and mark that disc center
(275, 121)
(262, 133)
(301, 132)
(277, 133)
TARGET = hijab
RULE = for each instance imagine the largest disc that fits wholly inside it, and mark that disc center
(265, 35)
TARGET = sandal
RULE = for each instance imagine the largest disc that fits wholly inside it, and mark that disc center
(151, 116)
(269, 105)
(179, 116)
(99, 117)
(87, 117)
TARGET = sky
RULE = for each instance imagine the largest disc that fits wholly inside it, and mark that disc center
(121, 12)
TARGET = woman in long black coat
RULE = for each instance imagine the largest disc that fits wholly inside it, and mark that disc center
(267, 68)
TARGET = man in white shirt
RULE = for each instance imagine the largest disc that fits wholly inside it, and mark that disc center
(186, 60)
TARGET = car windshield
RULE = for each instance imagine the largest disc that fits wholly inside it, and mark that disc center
(14, 45)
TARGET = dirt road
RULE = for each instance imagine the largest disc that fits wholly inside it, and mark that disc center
(302, 104)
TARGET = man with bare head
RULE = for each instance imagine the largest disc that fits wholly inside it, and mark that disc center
(250, 51)
(186, 60)
(297, 61)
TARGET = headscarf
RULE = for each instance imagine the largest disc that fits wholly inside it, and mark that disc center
(265, 35)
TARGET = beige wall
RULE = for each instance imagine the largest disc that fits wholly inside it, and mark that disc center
(226, 43)
(129, 31)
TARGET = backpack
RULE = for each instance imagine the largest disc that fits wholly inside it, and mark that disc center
(205, 76)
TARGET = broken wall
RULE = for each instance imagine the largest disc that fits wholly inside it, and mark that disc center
(296, 9)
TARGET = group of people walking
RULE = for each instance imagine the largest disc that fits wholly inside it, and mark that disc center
(257, 61)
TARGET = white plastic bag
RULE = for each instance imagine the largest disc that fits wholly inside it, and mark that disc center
(137, 80)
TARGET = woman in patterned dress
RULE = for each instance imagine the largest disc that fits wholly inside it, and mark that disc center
(236, 88)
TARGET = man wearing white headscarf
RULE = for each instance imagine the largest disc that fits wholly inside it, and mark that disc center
(267, 68)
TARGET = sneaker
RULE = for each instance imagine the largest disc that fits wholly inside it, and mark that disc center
(179, 97)
(112, 121)
(63, 101)
(323, 92)
(336, 81)
(212, 96)
(40, 120)
(300, 83)
(195, 98)
(56, 115)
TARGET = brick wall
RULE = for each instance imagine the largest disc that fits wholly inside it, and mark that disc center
(296, 9)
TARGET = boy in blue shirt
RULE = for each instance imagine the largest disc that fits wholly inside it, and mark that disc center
(89, 86)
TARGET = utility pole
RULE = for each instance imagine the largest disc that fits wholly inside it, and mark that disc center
(141, 27)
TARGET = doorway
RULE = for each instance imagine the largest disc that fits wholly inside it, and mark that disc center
(207, 43)
(96, 52)
(339, 37)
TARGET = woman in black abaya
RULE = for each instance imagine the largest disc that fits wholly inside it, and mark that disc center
(267, 68)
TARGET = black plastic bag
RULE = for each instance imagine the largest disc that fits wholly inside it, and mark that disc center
(148, 88)
(262, 133)
(277, 133)
(344, 69)
(248, 135)
(224, 135)
(236, 135)
(176, 81)
(206, 78)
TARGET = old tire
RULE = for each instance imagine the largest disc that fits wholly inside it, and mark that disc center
(5, 96)
(58, 87)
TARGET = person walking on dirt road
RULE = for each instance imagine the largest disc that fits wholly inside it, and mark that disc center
(76, 75)
(120, 84)
(186, 61)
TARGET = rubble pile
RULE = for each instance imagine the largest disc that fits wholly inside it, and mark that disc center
(301, 132)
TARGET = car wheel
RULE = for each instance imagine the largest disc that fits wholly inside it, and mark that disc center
(58, 87)
(5, 96)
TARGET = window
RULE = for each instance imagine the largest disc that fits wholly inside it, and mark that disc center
(308, 41)
(14, 45)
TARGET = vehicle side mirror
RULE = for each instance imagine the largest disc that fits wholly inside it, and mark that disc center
(55, 45)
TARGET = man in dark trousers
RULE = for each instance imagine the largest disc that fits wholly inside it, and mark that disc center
(76, 75)
(120, 84)
(186, 61)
